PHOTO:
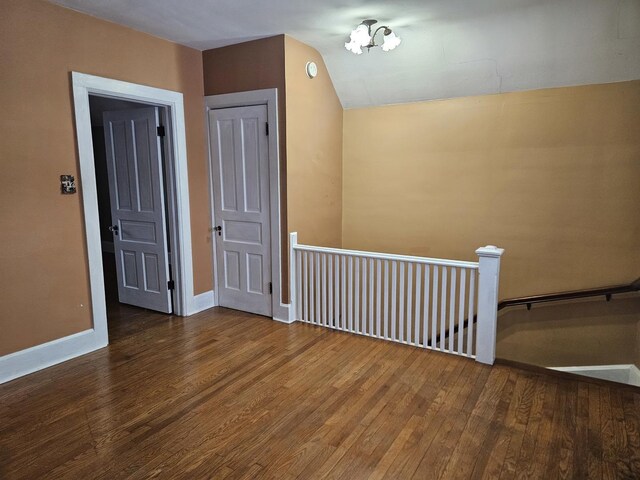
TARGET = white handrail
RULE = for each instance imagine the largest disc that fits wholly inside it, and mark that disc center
(388, 256)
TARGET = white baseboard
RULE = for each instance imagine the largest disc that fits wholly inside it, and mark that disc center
(201, 302)
(282, 320)
(48, 354)
(60, 350)
(625, 373)
(284, 313)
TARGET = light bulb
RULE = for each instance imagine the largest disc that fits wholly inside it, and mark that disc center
(390, 42)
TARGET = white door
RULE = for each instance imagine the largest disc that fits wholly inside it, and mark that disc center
(240, 171)
(137, 207)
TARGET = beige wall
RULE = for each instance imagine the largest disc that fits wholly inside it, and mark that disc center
(44, 283)
(553, 176)
(314, 149)
(592, 332)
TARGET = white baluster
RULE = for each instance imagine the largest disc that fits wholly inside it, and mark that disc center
(386, 299)
(434, 310)
(443, 309)
(471, 313)
(378, 296)
(452, 307)
(401, 300)
(330, 290)
(305, 286)
(425, 309)
(343, 296)
(409, 300)
(312, 316)
(336, 285)
(299, 288)
(364, 296)
(371, 277)
(324, 290)
(356, 299)
(462, 298)
(416, 313)
(350, 290)
(394, 280)
(318, 293)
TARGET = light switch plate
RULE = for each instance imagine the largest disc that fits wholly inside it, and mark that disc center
(67, 184)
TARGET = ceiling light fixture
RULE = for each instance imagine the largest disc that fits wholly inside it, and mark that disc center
(362, 37)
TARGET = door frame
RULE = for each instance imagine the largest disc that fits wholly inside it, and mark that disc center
(178, 188)
(268, 97)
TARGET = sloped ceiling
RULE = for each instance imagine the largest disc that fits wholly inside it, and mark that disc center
(450, 48)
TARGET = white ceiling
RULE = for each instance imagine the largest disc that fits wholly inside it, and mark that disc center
(450, 48)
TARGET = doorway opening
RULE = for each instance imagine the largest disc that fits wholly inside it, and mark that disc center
(131, 171)
(166, 200)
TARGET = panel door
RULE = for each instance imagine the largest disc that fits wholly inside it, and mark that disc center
(137, 207)
(240, 171)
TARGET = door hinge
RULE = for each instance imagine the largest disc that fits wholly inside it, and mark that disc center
(266, 128)
(270, 288)
(160, 130)
(171, 285)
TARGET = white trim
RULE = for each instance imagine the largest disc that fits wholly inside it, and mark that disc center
(293, 293)
(282, 320)
(623, 373)
(202, 302)
(51, 353)
(268, 97)
(83, 86)
(388, 256)
(487, 311)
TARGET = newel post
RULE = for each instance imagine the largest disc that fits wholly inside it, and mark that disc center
(293, 303)
(489, 273)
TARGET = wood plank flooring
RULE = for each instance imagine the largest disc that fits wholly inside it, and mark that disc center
(225, 394)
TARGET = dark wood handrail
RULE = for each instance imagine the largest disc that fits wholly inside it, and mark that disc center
(606, 292)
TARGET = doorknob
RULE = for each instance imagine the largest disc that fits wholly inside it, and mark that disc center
(114, 229)
(218, 229)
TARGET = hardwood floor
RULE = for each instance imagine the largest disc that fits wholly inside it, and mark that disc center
(228, 394)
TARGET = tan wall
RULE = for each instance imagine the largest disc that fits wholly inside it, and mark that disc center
(552, 176)
(44, 282)
(314, 149)
(255, 65)
(593, 332)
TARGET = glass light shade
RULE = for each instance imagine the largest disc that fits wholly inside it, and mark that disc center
(353, 47)
(361, 35)
(390, 42)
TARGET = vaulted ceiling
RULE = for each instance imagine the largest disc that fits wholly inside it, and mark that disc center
(450, 48)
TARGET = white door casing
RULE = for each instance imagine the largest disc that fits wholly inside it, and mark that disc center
(83, 85)
(136, 193)
(242, 232)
